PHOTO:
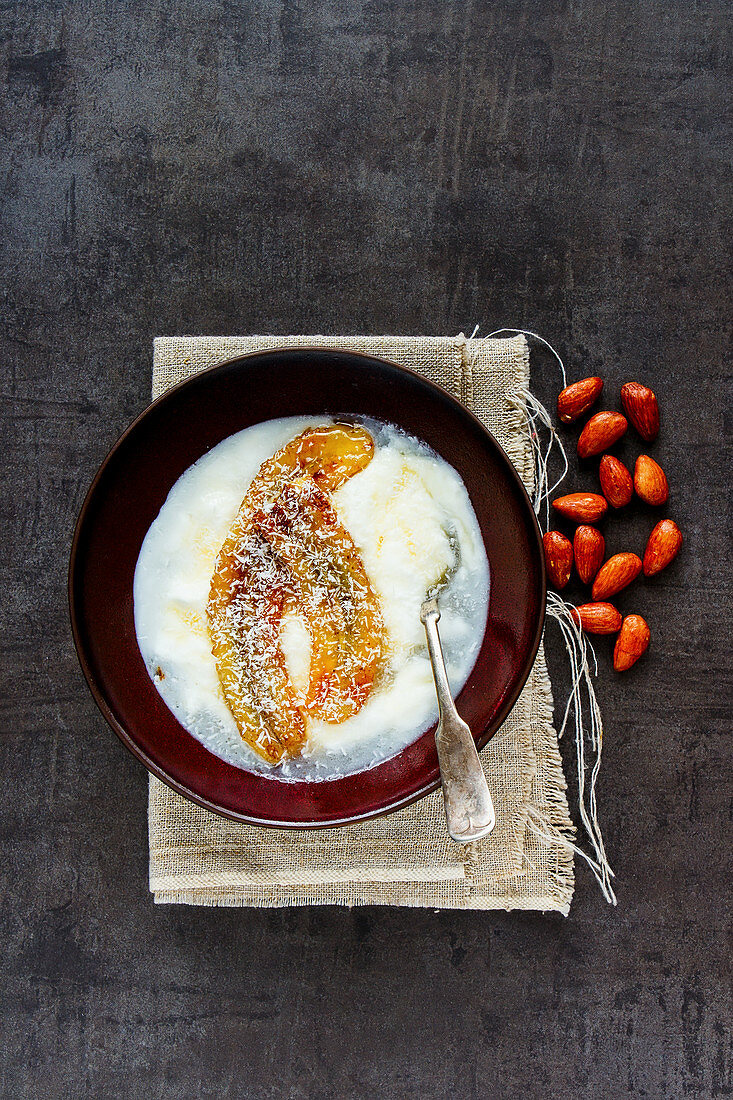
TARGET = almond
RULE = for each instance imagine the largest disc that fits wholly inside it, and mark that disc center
(642, 409)
(632, 641)
(597, 618)
(581, 507)
(600, 433)
(616, 481)
(578, 398)
(589, 546)
(650, 481)
(663, 545)
(615, 574)
(558, 558)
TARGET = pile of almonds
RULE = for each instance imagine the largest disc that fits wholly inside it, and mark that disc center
(617, 485)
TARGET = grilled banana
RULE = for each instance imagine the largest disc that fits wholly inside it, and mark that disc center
(252, 586)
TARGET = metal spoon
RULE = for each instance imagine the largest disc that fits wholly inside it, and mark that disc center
(469, 810)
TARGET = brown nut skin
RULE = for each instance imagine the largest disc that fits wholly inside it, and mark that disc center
(601, 432)
(617, 483)
(662, 547)
(597, 618)
(642, 409)
(581, 507)
(650, 481)
(632, 642)
(577, 398)
(615, 574)
(558, 558)
(589, 546)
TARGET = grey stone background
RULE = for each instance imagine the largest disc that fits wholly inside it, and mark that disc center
(346, 166)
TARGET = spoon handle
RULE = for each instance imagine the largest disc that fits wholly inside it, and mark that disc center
(468, 807)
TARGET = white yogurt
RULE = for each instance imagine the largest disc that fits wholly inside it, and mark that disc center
(411, 518)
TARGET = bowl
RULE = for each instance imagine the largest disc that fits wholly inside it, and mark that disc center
(131, 487)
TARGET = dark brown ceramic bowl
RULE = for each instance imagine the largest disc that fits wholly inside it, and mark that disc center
(130, 489)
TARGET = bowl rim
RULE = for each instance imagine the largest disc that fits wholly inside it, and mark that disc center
(123, 734)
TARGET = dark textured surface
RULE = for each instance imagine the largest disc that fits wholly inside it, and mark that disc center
(363, 167)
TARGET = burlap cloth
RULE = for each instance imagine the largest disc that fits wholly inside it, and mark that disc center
(406, 858)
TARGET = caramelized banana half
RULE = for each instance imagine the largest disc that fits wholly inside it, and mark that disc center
(334, 595)
(248, 593)
(251, 587)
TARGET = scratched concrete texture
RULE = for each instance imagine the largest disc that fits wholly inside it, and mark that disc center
(364, 166)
